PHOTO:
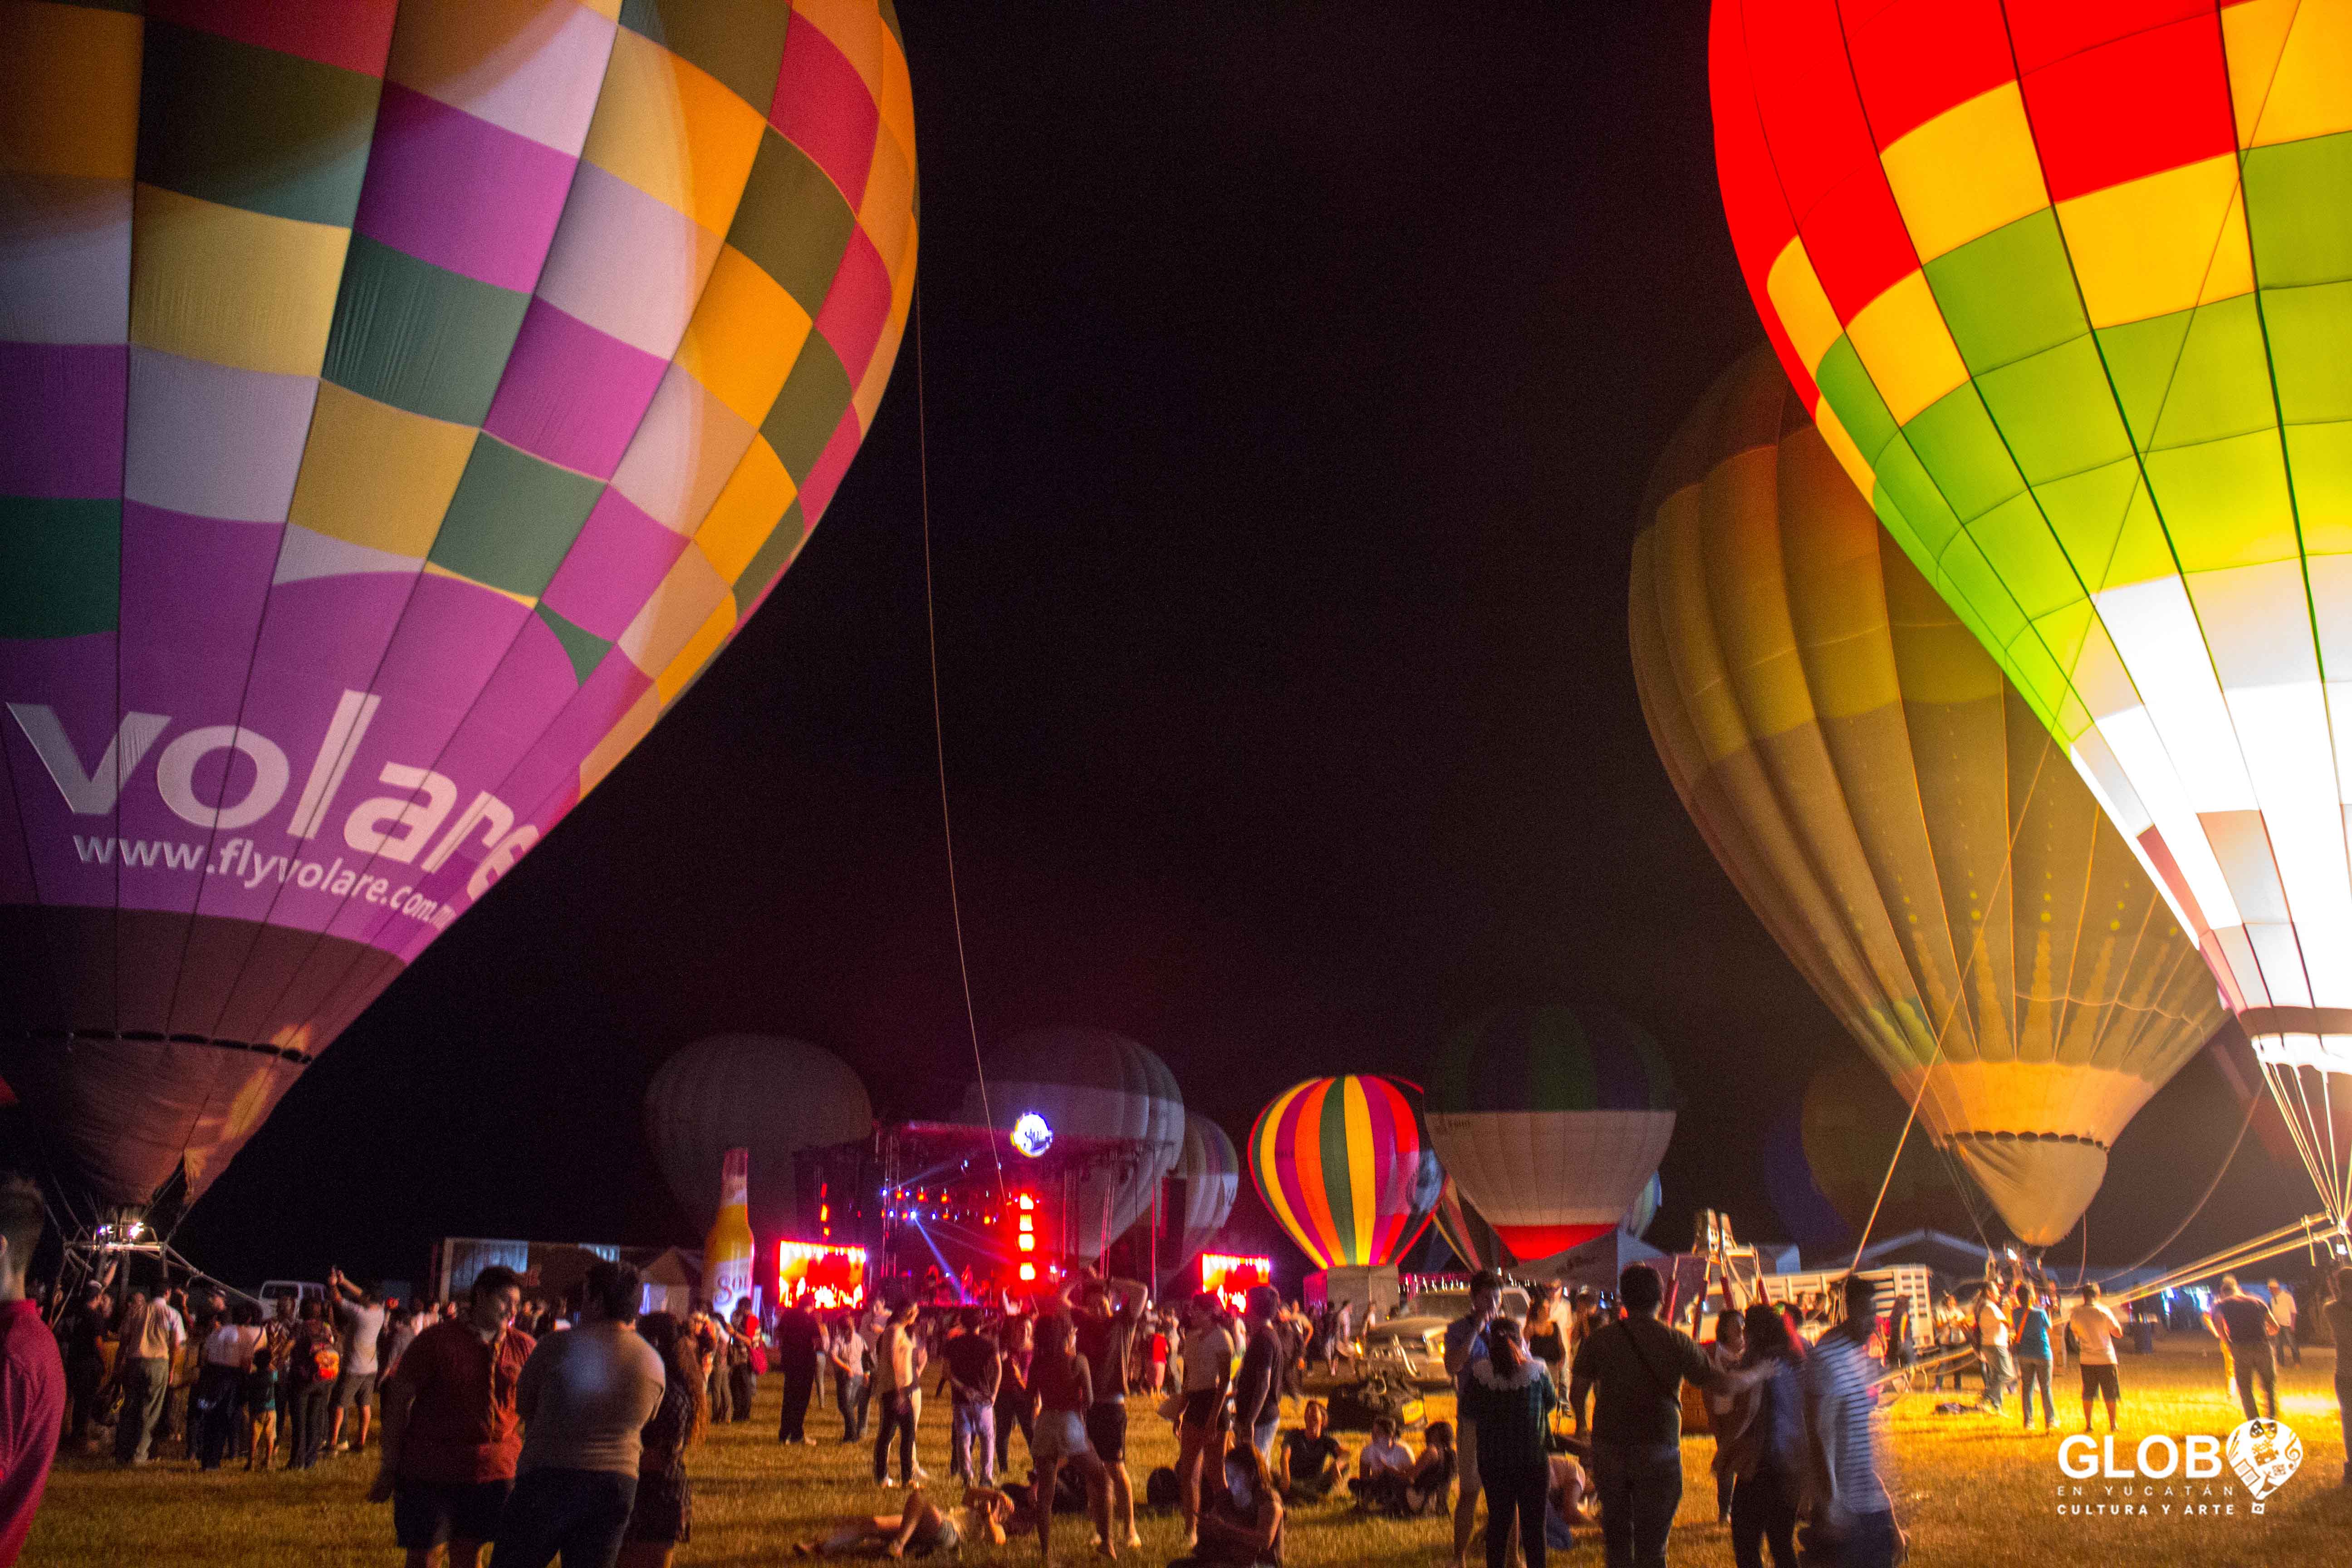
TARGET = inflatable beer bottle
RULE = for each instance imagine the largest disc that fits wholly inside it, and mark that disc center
(727, 1251)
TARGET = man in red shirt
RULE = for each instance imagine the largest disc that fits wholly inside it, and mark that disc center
(32, 1376)
(451, 1436)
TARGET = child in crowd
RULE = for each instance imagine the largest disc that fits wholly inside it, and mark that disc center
(260, 1395)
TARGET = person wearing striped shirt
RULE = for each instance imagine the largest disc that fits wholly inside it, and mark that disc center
(1854, 1516)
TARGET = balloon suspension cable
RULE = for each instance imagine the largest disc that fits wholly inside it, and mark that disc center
(2253, 1104)
(1936, 1054)
(940, 748)
(2307, 1232)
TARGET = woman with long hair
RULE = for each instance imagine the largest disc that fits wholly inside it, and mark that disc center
(662, 1518)
(1765, 1453)
(1507, 1394)
(1063, 1384)
(1242, 1525)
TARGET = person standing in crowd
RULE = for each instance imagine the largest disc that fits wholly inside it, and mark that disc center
(2033, 1358)
(145, 1343)
(2244, 1323)
(712, 1340)
(1158, 1349)
(1201, 1426)
(1547, 1332)
(661, 1517)
(2338, 1313)
(747, 1358)
(451, 1432)
(1852, 1509)
(1064, 1384)
(219, 1402)
(846, 1350)
(1257, 1387)
(1635, 1370)
(81, 1334)
(974, 1371)
(1466, 1342)
(1105, 1324)
(896, 1367)
(180, 1371)
(360, 1317)
(1765, 1452)
(1016, 1347)
(258, 1399)
(584, 1397)
(1507, 1394)
(307, 1385)
(1727, 1413)
(800, 1349)
(2095, 1332)
(1992, 1348)
(31, 1373)
(2283, 1312)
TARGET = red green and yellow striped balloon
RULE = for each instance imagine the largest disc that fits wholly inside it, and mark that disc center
(1345, 1164)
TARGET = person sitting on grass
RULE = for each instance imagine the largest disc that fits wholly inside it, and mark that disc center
(1423, 1486)
(1568, 1501)
(921, 1527)
(1242, 1526)
(1312, 1460)
(1384, 1457)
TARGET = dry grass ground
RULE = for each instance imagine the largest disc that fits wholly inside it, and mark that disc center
(1972, 1490)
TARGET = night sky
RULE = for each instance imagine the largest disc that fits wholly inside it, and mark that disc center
(1292, 381)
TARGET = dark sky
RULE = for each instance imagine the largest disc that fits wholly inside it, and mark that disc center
(1293, 376)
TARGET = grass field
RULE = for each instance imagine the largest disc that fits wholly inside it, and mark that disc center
(1971, 1489)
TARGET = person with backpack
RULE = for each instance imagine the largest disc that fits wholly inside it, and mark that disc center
(313, 1365)
(1633, 1369)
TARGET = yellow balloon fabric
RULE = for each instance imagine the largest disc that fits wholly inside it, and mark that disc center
(1895, 812)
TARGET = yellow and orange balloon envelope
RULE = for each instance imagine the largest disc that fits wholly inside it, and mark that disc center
(1346, 1167)
(2068, 290)
(1895, 813)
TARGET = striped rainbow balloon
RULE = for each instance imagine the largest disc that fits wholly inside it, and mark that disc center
(1345, 1164)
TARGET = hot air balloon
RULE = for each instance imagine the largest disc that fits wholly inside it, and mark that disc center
(1825, 1154)
(1211, 1171)
(404, 409)
(1345, 1165)
(1551, 1121)
(762, 1093)
(1895, 814)
(1465, 1230)
(1644, 1211)
(1089, 1083)
(2064, 288)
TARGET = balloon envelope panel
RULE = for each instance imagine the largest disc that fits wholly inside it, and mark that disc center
(2069, 291)
(1345, 1164)
(404, 403)
(1551, 1121)
(769, 1095)
(1465, 1230)
(1089, 1083)
(1896, 814)
(1211, 1169)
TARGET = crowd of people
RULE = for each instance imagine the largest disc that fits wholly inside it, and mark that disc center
(550, 1428)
